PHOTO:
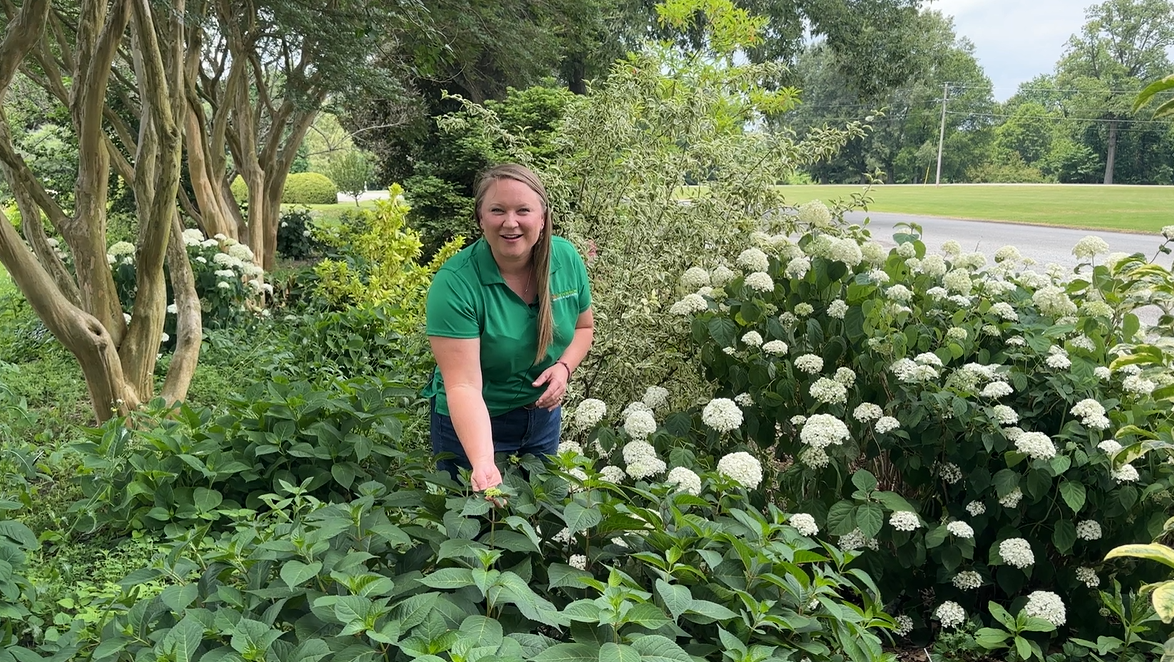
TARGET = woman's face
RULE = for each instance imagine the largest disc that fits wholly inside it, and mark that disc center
(511, 218)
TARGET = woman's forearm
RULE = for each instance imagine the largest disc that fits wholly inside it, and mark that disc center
(577, 350)
(470, 419)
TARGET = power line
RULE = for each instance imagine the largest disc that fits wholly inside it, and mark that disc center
(1062, 118)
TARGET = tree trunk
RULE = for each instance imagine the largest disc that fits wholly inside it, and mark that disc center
(1112, 156)
(189, 321)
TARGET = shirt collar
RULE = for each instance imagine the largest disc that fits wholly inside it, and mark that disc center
(487, 269)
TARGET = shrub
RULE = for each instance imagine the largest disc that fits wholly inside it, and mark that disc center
(295, 236)
(309, 188)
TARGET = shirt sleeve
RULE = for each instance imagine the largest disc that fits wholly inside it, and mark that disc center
(451, 308)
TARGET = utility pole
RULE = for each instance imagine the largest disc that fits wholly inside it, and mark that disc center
(942, 134)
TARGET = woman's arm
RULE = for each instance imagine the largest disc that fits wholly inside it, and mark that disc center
(459, 360)
(557, 376)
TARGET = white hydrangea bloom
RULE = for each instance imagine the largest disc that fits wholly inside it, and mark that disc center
(967, 580)
(1090, 247)
(798, 420)
(906, 250)
(569, 447)
(192, 237)
(846, 251)
(741, 467)
(1008, 254)
(804, 524)
(809, 363)
(635, 452)
(996, 390)
(1126, 473)
(224, 285)
(752, 339)
(798, 267)
(694, 277)
(1053, 301)
(1036, 444)
(647, 468)
(904, 520)
(813, 457)
(899, 293)
(866, 411)
(639, 424)
(753, 259)
(823, 430)
(950, 472)
(744, 400)
(241, 252)
(692, 303)
(172, 308)
(722, 414)
(837, 309)
(1058, 358)
(829, 391)
(685, 479)
(960, 529)
(1012, 499)
(1091, 414)
(845, 376)
(563, 536)
(1088, 530)
(1109, 447)
(855, 540)
(815, 213)
(1083, 342)
(958, 281)
(933, 265)
(1137, 385)
(904, 626)
(760, 282)
(775, 347)
(878, 276)
(1096, 309)
(1017, 552)
(950, 614)
(578, 561)
(1102, 373)
(1046, 605)
(937, 293)
(873, 253)
(612, 474)
(975, 508)
(1088, 576)
(721, 276)
(886, 424)
(928, 358)
(1005, 415)
(957, 334)
(655, 397)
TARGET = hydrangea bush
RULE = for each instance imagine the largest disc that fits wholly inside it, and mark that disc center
(970, 428)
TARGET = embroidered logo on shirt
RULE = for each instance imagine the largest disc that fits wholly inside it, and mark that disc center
(564, 295)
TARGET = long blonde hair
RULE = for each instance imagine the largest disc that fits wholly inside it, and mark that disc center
(540, 254)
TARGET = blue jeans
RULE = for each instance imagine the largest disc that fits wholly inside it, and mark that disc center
(521, 431)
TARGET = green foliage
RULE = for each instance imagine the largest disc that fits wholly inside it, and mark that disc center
(309, 188)
(1007, 167)
(1152, 91)
(295, 234)
(351, 170)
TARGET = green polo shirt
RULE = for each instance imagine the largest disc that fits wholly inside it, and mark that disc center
(469, 299)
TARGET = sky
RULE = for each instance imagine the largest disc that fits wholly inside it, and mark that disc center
(1015, 40)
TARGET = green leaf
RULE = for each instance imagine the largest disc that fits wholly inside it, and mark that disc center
(177, 598)
(647, 615)
(1023, 648)
(294, 573)
(840, 518)
(991, 639)
(1152, 552)
(724, 331)
(936, 536)
(1074, 495)
(1001, 615)
(560, 574)
(613, 652)
(568, 653)
(448, 579)
(485, 631)
(1163, 599)
(20, 534)
(864, 480)
(893, 501)
(655, 648)
(580, 518)
(870, 518)
(676, 598)
(1160, 85)
(1064, 536)
(206, 500)
(184, 639)
(711, 610)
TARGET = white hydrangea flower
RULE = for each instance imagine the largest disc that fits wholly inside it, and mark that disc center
(837, 309)
(814, 458)
(1036, 444)
(937, 293)
(730, 350)
(823, 430)
(760, 282)
(878, 276)
(578, 561)
(224, 285)
(855, 540)
(1058, 358)
(589, 412)
(172, 308)
(569, 447)
(1126, 473)
(744, 400)
(722, 414)
(685, 479)
(958, 281)
(741, 467)
(1096, 309)
(1053, 301)
(752, 339)
(692, 303)
(1091, 414)
(845, 376)
(1090, 247)
(224, 273)
(928, 358)
(1005, 415)
(635, 452)
(950, 472)
(866, 411)
(904, 626)
(846, 251)
(906, 250)
(874, 253)
(1083, 342)
(1088, 530)
(798, 267)
(960, 529)
(1088, 576)
(798, 420)
(192, 237)
(1046, 605)
(950, 614)
(612, 474)
(967, 580)
(957, 334)
(899, 293)
(647, 468)
(904, 520)
(1110, 447)
(775, 347)
(655, 397)
(721, 276)
(1008, 254)
(1137, 385)
(1102, 373)
(694, 277)
(829, 391)
(1017, 552)
(639, 424)
(753, 259)
(809, 363)
(815, 213)
(975, 508)
(1012, 499)
(996, 390)
(886, 424)
(804, 524)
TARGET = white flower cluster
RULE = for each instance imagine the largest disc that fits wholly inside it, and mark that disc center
(933, 265)
(1090, 247)
(1005, 311)
(655, 397)
(1088, 576)
(996, 390)
(975, 508)
(906, 250)
(612, 474)
(957, 334)
(753, 259)
(744, 400)
(950, 472)
(905, 520)
(950, 614)
(809, 363)
(829, 391)
(1096, 309)
(886, 424)
(1091, 413)
(694, 278)
(866, 411)
(741, 467)
(1046, 605)
(589, 412)
(1012, 499)
(1017, 552)
(760, 281)
(1126, 473)
(899, 293)
(960, 529)
(569, 447)
(640, 456)
(1053, 301)
(815, 213)
(1088, 530)
(837, 309)
(1083, 342)
(1137, 385)
(685, 479)
(1005, 415)
(804, 524)
(1008, 254)
(1037, 445)
(721, 275)
(856, 540)
(775, 347)
(904, 626)
(804, 309)
(722, 414)
(874, 253)
(958, 281)
(577, 561)
(823, 430)
(692, 303)
(798, 267)
(845, 376)
(639, 424)
(912, 372)
(1110, 447)
(752, 339)
(967, 580)
(1058, 358)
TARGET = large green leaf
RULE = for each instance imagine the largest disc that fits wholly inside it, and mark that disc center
(1156, 87)
(1163, 599)
(448, 579)
(1152, 552)
(864, 480)
(184, 639)
(840, 518)
(1064, 536)
(870, 518)
(294, 573)
(613, 652)
(1074, 495)
(580, 518)
(569, 653)
(647, 615)
(655, 648)
(485, 631)
(676, 598)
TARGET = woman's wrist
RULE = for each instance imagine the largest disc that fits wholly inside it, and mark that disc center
(564, 364)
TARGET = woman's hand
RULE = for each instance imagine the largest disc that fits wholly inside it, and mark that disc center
(555, 377)
(485, 476)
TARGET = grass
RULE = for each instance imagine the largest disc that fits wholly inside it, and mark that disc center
(331, 215)
(1124, 208)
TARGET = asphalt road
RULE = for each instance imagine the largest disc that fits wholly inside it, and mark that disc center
(1044, 244)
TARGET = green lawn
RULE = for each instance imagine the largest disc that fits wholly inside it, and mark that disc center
(1132, 208)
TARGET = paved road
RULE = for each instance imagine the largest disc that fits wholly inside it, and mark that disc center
(1042, 243)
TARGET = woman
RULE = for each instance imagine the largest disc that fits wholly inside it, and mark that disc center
(509, 320)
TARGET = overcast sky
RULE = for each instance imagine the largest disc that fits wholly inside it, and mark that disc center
(1015, 40)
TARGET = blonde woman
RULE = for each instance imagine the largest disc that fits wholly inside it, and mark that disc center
(509, 321)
